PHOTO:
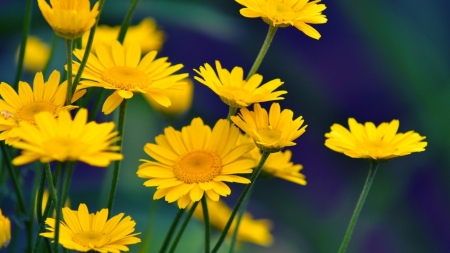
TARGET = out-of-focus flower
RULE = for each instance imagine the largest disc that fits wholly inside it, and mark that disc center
(83, 231)
(146, 34)
(250, 230)
(120, 68)
(37, 54)
(371, 142)
(5, 230)
(69, 18)
(180, 96)
(283, 13)
(195, 161)
(271, 131)
(234, 90)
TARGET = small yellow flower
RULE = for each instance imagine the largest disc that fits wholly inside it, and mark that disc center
(250, 230)
(37, 54)
(5, 230)
(234, 90)
(83, 231)
(15, 109)
(371, 142)
(194, 161)
(271, 131)
(120, 68)
(283, 13)
(64, 139)
(146, 34)
(69, 18)
(180, 96)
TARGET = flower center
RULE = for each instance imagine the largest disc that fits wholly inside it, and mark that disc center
(126, 78)
(269, 136)
(64, 148)
(198, 167)
(27, 112)
(91, 239)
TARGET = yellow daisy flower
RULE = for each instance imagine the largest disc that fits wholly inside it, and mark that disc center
(283, 13)
(64, 139)
(83, 231)
(250, 230)
(271, 132)
(5, 230)
(234, 90)
(146, 34)
(195, 161)
(371, 142)
(36, 54)
(180, 96)
(120, 68)
(69, 18)
(15, 109)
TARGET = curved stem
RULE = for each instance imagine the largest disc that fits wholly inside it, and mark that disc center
(262, 51)
(115, 179)
(239, 219)
(39, 197)
(231, 112)
(183, 226)
(88, 47)
(23, 44)
(59, 202)
(348, 234)
(69, 71)
(241, 199)
(171, 231)
(206, 220)
(126, 21)
(145, 245)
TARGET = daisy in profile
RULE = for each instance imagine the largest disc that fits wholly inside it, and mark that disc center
(371, 142)
(121, 69)
(146, 34)
(17, 109)
(250, 230)
(234, 90)
(69, 18)
(5, 230)
(195, 161)
(67, 140)
(85, 232)
(283, 13)
(271, 131)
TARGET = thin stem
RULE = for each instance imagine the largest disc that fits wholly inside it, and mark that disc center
(348, 234)
(231, 112)
(239, 219)
(32, 215)
(115, 179)
(23, 44)
(206, 220)
(126, 21)
(88, 47)
(171, 231)
(247, 188)
(69, 71)
(52, 51)
(39, 197)
(96, 104)
(262, 51)
(61, 188)
(183, 226)
(145, 245)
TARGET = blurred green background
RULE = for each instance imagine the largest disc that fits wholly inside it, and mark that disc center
(376, 61)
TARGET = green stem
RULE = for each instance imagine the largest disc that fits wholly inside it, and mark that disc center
(239, 219)
(32, 215)
(183, 227)
(145, 245)
(206, 220)
(262, 51)
(59, 202)
(96, 106)
(23, 44)
(88, 47)
(126, 21)
(120, 128)
(241, 199)
(40, 195)
(231, 112)
(348, 234)
(171, 231)
(52, 52)
(69, 71)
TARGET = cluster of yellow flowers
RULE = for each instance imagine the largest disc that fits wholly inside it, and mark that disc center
(187, 165)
